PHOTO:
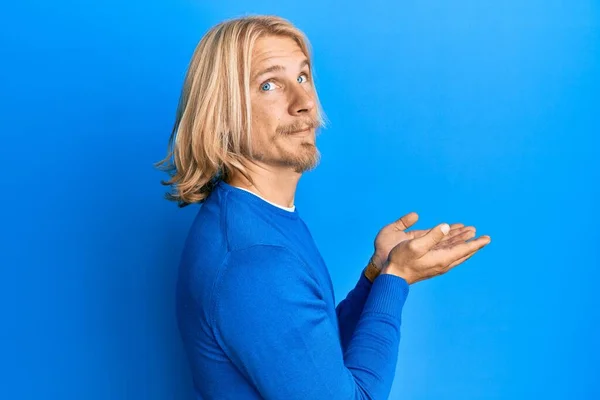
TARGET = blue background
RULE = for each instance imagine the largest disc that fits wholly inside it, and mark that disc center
(485, 113)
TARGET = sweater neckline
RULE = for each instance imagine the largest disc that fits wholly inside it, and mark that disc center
(251, 197)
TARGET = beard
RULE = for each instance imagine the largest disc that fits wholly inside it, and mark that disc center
(303, 157)
(306, 159)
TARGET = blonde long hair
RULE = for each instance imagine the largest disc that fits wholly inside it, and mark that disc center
(213, 117)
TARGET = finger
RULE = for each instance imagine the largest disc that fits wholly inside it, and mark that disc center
(454, 228)
(423, 244)
(461, 237)
(406, 221)
(451, 239)
(458, 233)
(461, 250)
(461, 260)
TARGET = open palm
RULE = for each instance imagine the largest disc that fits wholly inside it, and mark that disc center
(390, 235)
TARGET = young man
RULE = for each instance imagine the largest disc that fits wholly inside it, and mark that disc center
(255, 303)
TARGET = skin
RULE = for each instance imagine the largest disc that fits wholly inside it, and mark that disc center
(283, 102)
(422, 254)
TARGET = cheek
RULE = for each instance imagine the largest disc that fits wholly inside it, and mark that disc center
(265, 119)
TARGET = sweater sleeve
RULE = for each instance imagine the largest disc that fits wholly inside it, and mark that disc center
(348, 311)
(270, 318)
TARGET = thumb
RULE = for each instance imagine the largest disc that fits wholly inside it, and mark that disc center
(406, 221)
(435, 235)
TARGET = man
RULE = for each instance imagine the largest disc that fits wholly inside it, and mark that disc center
(255, 303)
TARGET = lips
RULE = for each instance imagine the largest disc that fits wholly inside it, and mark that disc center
(301, 131)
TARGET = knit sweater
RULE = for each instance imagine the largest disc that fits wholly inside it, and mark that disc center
(257, 314)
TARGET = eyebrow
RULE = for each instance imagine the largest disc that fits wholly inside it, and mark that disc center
(274, 68)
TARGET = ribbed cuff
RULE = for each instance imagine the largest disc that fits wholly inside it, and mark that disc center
(387, 296)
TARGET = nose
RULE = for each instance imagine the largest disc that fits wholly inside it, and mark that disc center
(302, 101)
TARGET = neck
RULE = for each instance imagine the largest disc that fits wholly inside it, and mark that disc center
(278, 185)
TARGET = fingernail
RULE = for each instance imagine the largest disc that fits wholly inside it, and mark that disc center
(445, 229)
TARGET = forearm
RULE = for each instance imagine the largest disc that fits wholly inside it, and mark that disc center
(285, 330)
(349, 309)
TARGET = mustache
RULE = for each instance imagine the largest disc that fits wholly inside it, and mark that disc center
(298, 126)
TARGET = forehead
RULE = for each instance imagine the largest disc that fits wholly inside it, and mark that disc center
(269, 50)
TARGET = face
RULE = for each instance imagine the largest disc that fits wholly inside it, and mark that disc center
(284, 114)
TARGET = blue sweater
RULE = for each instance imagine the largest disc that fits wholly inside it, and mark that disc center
(257, 314)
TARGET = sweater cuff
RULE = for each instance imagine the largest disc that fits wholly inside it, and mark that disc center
(364, 281)
(387, 296)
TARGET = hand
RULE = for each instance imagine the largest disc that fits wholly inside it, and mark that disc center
(394, 233)
(430, 255)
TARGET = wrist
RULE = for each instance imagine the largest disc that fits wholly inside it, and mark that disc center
(372, 270)
(393, 270)
(377, 261)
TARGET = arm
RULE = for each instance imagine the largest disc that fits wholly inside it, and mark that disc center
(271, 319)
(349, 310)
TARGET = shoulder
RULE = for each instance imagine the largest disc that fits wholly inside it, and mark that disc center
(259, 277)
(263, 263)
(233, 222)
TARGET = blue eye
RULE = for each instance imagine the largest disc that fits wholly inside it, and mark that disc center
(300, 78)
(267, 86)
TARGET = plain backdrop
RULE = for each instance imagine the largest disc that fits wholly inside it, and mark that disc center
(480, 112)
